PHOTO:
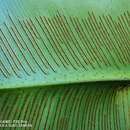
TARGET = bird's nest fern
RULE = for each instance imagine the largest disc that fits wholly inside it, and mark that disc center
(57, 43)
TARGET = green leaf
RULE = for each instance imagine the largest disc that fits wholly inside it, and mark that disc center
(58, 42)
(49, 48)
(92, 106)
